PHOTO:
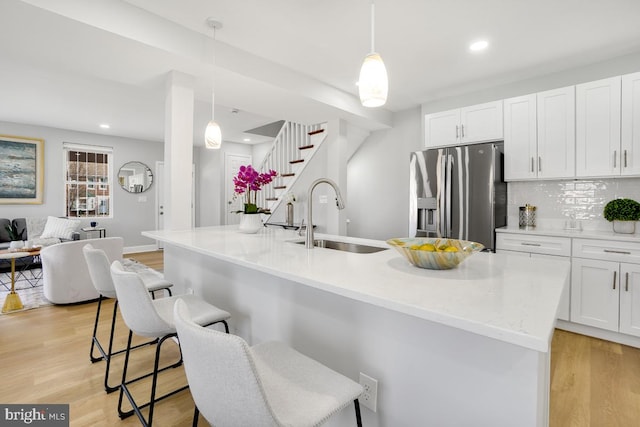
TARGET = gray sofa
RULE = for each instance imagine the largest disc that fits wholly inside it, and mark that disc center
(27, 229)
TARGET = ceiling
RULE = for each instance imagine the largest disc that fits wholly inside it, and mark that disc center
(74, 64)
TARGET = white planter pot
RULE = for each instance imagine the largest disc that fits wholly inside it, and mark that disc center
(250, 223)
(624, 227)
(14, 245)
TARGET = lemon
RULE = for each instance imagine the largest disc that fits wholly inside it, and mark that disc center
(451, 249)
(428, 247)
(414, 247)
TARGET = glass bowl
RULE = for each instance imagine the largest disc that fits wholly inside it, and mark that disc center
(435, 253)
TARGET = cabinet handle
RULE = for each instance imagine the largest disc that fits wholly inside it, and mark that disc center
(611, 251)
(615, 276)
(626, 281)
(532, 165)
(625, 158)
(457, 136)
(615, 158)
(539, 164)
(530, 244)
(462, 128)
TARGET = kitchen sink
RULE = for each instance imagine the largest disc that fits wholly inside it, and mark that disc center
(344, 246)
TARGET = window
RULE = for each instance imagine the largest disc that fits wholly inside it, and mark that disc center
(88, 181)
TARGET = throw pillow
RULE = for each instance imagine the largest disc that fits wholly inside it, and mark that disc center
(60, 228)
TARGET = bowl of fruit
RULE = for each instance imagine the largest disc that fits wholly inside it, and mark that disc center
(435, 253)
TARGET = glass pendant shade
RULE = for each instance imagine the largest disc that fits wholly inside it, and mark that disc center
(213, 136)
(373, 84)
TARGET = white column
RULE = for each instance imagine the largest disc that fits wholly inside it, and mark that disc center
(337, 171)
(178, 150)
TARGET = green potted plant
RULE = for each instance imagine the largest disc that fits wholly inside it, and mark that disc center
(623, 213)
(14, 235)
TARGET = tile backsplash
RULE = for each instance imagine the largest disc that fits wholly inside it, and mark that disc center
(558, 201)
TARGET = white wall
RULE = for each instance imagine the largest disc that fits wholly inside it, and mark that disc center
(131, 215)
(378, 180)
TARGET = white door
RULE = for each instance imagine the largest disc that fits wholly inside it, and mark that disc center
(598, 128)
(442, 128)
(232, 163)
(482, 122)
(595, 293)
(556, 117)
(159, 182)
(630, 299)
(631, 124)
(520, 137)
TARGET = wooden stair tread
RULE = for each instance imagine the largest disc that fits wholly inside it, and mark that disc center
(305, 147)
(296, 161)
(313, 132)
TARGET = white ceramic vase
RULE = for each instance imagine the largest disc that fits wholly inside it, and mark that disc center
(624, 227)
(250, 223)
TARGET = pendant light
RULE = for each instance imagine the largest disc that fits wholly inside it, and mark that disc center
(373, 85)
(213, 134)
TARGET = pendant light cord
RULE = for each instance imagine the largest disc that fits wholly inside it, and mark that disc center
(373, 25)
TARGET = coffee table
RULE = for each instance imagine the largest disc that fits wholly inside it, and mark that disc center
(12, 302)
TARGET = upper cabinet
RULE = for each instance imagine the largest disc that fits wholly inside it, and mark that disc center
(477, 123)
(539, 136)
(630, 147)
(598, 151)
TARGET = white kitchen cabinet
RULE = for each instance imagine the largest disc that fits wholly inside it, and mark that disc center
(520, 138)
(476, 123)
(605, 285)
(539, 135)
(630, 144)
(556, 133)
(598, 112)
(550, 247)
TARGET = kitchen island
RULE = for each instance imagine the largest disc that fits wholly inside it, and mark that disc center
(462, 347)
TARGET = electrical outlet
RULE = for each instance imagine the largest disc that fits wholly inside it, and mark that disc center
(369, 397)
(322, 199)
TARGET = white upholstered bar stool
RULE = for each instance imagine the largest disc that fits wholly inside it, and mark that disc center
(99, 270)
(153, 318)
(269, 384)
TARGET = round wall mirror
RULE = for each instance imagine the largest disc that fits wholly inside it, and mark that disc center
(135, 177)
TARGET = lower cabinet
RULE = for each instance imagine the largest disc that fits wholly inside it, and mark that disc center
(605, 285)
(606, 294)
(539, 247)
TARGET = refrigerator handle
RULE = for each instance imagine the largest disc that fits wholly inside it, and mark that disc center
(441, 197)
(447, 210)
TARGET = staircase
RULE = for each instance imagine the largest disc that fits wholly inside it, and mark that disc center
(290, 152)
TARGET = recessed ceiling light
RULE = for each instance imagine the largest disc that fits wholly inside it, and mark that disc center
(247, 139)
(105, 126)
(478, 45)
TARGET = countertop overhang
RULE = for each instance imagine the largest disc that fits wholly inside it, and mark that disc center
(508, 298)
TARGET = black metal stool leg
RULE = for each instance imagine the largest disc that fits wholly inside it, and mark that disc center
(356, 403)
(196, 413)
(95, 330)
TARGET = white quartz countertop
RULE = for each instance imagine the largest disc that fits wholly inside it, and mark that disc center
(582, 234)
(509, 298)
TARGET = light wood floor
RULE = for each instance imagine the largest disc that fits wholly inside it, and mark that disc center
(44, 359)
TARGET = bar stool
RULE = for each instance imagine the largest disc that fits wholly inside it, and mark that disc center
(153, 318)
(99, 271)
(269, 384)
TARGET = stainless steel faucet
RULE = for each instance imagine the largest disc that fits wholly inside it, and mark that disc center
(308, 242)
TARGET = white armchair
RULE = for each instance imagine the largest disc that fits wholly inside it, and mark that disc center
(65, 273)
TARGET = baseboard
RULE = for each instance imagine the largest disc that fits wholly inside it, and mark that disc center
(137, 249)
(599, 333)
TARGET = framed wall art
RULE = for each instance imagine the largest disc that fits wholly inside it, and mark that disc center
(21, 170)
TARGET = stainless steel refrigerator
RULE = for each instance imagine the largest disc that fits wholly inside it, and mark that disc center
(458, 192)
